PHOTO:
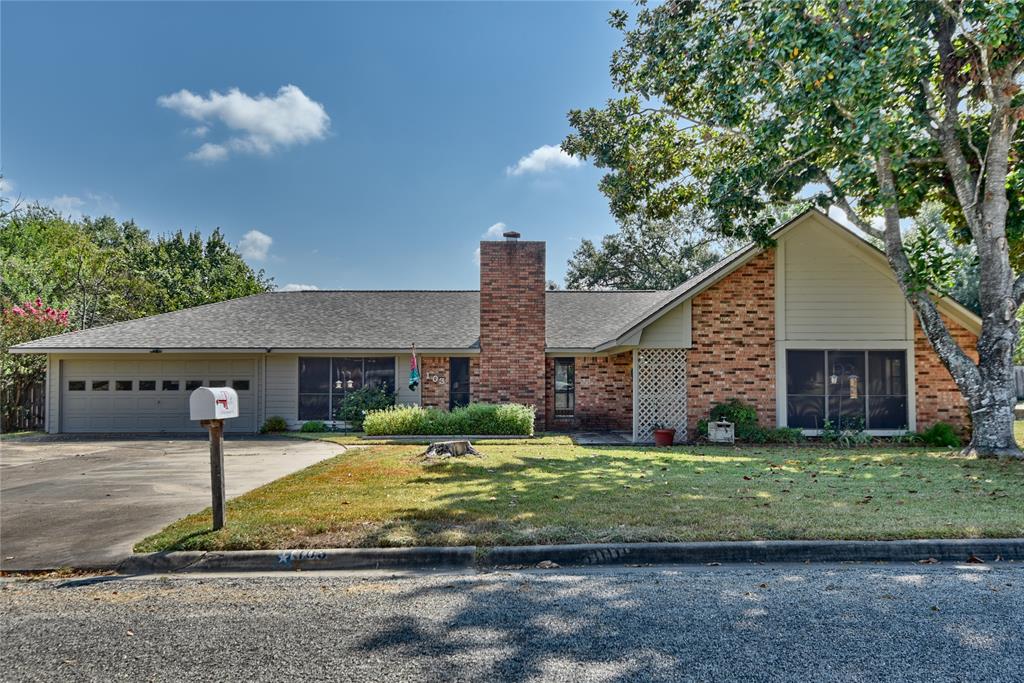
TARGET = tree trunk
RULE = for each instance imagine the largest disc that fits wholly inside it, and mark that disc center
(992, 402)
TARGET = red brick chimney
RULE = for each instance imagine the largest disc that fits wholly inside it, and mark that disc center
(512, 313)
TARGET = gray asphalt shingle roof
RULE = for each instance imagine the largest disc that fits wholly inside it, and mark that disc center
(354, 320)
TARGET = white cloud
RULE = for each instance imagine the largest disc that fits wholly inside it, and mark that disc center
(209, 153)
(264, 123)
(200, 131)
(6, 186)
(293, 287)
(255, 245)
(492, 233)
(544, 158)
(66, 204)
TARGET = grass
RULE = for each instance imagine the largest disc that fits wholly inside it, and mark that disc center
(6, 436)
(551, 491)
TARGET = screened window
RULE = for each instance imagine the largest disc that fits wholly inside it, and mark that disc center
(849, 389)
(324, 382)
(565, 387)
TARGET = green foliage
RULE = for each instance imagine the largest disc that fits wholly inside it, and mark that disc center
(274, 423)
(736, 411)
(732, 108)
(659, 254)
(313, 426)
(476, 418)
(18, 372)
(357, 404)
(747, 430)
(104, 271)
(845, 432)
(941, 434)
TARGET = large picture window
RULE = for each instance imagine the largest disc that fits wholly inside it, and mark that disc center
(849, 389)
(324, 382)
(565, 387)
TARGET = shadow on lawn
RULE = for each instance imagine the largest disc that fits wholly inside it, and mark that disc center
(610, 495)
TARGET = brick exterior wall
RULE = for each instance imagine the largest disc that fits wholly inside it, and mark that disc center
(436, 394)
(938, 398)
(512, 313)
(604, 394)
(733, 354)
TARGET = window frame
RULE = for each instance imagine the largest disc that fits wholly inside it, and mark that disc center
(333, 394)
(907, 378)
(568, 363)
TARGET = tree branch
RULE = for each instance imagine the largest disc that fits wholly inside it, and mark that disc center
(840, 200)
(959, 364)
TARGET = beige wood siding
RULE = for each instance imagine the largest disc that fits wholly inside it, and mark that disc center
(53, 368)
(833, 291)
(282, 395)
(404, 395)
(671, 331)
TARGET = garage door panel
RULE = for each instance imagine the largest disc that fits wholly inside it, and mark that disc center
(149, 410)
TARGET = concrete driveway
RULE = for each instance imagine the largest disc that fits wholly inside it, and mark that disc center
(84, 502)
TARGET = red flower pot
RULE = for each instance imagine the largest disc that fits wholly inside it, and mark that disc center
(664, 437)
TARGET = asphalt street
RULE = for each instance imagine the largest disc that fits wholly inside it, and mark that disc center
(771, 623)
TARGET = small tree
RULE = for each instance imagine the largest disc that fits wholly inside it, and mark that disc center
(872, 107)
(30, 320)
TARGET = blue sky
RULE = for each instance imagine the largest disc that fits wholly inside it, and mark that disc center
(386, 142)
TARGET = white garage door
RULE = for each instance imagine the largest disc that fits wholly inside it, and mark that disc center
(149, 395)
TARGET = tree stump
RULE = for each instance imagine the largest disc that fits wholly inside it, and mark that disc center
(450, 449)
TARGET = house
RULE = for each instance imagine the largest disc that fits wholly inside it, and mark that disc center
(807, 331)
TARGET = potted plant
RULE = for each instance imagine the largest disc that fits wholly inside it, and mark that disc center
(664, 436)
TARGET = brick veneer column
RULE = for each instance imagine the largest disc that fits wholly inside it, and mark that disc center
(512, 291)
(733, 354)
(938, 398)
(434, 394)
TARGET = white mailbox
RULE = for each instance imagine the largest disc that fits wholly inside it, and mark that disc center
(213, 403)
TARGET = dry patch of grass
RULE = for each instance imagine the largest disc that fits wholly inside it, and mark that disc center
(525, 493)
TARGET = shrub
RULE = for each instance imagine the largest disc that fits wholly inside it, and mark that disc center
(274, 423)
(735, 411)
(941, 434)
(313, 426)
(845, 432)
(356, 405)
(476, 418)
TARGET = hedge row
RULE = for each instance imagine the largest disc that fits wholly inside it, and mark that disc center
(476, 418)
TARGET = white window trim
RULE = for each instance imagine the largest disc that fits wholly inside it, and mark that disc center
(782, 398)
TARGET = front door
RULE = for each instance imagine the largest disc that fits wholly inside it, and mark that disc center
(458, 370)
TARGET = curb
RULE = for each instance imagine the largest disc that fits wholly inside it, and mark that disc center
(592, 554)
(586, 554)
(462, 557)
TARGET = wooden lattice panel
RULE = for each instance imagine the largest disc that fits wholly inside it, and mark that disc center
(660, 391)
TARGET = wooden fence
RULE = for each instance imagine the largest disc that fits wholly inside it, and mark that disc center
(26, 411)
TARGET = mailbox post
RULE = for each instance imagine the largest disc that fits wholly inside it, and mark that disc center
(211, 406)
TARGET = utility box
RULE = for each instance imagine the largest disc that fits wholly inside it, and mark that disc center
(213, 403)
(722, 431)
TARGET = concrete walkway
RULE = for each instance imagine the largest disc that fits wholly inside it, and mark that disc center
(85, 502)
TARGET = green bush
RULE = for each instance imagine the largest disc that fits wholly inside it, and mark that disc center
(356, 405)
(941, 434)
(476, 418)
(735, 411)
(313, 426)
(274, 423)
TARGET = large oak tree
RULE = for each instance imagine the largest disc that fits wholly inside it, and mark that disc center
(874, 107)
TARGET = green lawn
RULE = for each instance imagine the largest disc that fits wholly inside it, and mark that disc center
(553, 492)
